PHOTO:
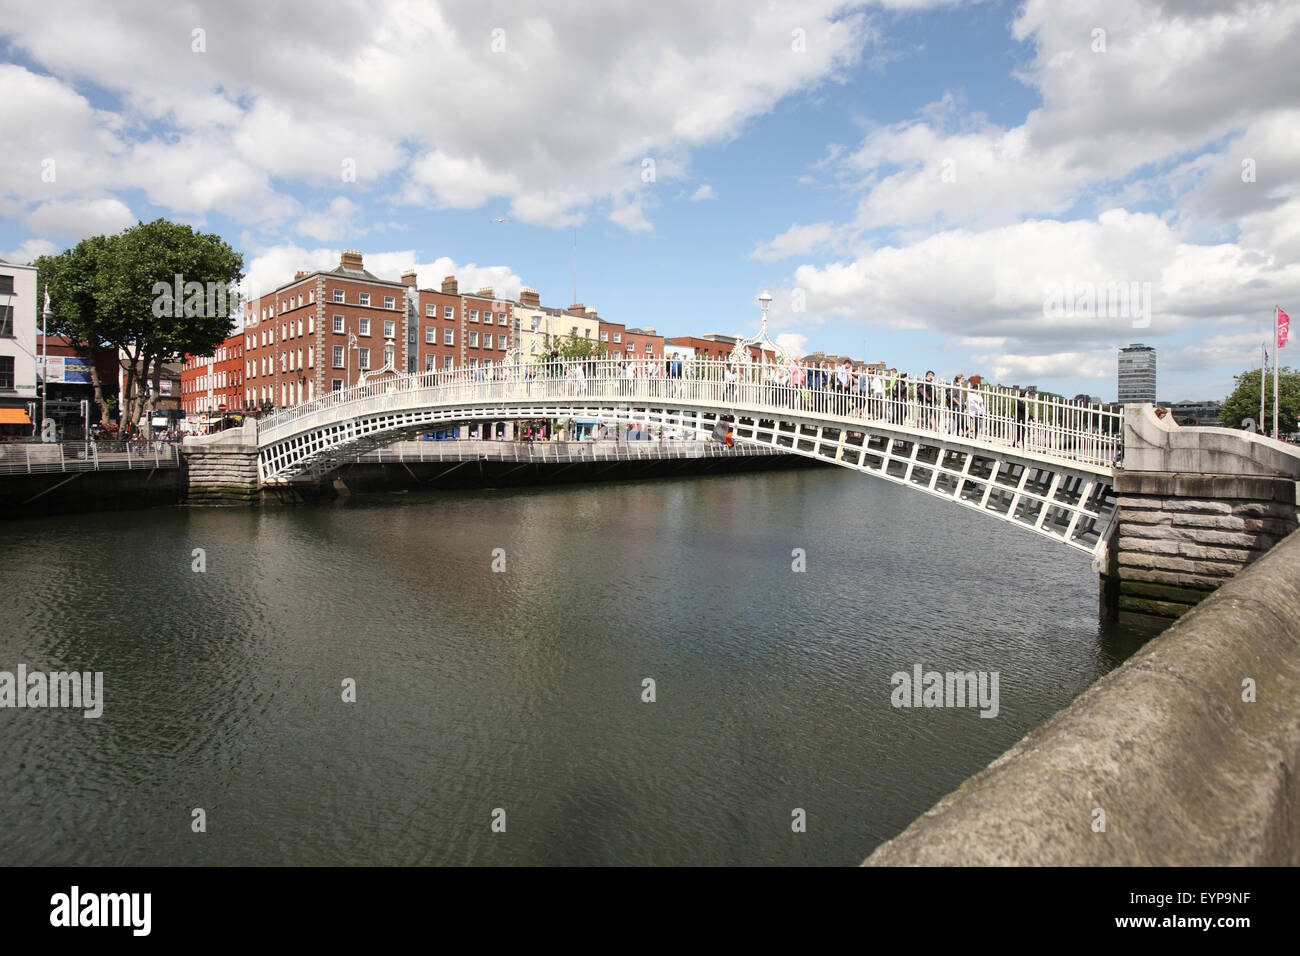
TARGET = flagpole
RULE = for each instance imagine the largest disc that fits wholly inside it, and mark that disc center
(1263, 378)
(1277, 364)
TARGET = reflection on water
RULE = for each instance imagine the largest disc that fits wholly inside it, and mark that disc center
(522, 690)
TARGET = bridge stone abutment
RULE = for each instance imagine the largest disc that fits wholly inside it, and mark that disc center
(221, 469)
(1195, 507)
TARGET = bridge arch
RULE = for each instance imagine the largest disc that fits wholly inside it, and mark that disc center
(1052, 475)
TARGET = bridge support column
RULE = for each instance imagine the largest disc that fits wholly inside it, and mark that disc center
(221, 469)
(1180, 536)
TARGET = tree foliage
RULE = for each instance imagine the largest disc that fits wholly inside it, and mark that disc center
(120, 293)
(1243, 403)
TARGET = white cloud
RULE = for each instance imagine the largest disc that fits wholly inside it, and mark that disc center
(335, 222)
(997, 284)
(79, 218)
(29, 251)
(412, 92)
(793, 342)
(796, 241)
(704, 192)
(272, 266)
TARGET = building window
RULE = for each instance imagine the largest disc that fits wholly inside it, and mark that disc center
(473, 363)
(311, 325)
(618, 336)
(446, 361)
(429, 361)
(310, 350)
(338, 324)
(363, 358)
(430, 336)
(7, 322)
(338, 356)
(363, 326)
(431, 311)
(487, 340)
(390, 302)
(336, 384)
(389, 355)
(473, 315)
(449, 312)
(604, 336)
(338, 295)
(502, 342)
(473, 340)
(363, 298)
(390, 329)
(448, 336)
(501, 318)
(6, 373)
(537, 321)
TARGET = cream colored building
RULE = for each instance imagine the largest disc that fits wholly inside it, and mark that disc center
(538, 328)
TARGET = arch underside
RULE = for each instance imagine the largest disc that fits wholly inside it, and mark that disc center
(1066, 501)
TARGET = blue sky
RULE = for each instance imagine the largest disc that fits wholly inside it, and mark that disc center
(963, 187)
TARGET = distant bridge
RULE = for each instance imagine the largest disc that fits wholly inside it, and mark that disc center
(1049, 471)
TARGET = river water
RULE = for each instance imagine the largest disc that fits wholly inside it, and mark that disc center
(517, 695)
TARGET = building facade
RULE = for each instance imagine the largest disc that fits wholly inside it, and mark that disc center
(1137, 374)
(18, 345)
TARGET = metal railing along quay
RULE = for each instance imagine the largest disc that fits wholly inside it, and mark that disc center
(30, 458)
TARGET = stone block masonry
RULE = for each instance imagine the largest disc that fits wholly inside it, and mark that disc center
(221, 469)
(1182, 536)
(222, 475)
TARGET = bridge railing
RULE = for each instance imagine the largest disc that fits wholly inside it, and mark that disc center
(1046, 425)
(31, 458)
(559, 451)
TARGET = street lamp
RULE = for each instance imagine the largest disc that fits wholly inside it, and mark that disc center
(352, 344)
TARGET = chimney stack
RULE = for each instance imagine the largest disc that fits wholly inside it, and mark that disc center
(351, 259)
(577, 309)
(449, 286)
(299, 274)
(408, 278)
(485, 292)
(528, 296)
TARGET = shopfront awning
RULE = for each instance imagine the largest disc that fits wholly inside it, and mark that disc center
(14, 416)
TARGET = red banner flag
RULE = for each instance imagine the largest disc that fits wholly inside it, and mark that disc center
(1283, 328)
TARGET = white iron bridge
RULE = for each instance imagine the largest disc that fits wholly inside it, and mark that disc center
(1042, 464)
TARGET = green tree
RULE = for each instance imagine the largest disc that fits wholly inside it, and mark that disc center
(574, 347)
(153, 293)
(1243, 403)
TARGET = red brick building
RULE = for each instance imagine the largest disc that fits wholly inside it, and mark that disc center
(487, 329)
(215, 383)
(437, 322)
(643, 344)
(715, 346)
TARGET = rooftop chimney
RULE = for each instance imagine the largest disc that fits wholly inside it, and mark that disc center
(351, 259)
(408, 278)
(529, 296)
(449, 286)
(299, 274)
(485, 291)
(577, 309)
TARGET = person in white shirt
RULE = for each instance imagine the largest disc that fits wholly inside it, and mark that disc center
(975, 409)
